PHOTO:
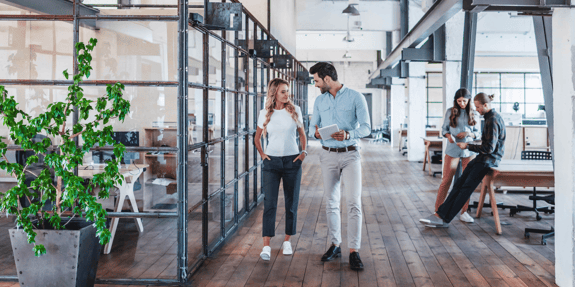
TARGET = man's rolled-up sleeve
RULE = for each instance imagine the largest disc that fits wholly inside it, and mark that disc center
(362, 115)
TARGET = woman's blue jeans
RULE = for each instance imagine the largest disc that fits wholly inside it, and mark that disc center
(276, 169)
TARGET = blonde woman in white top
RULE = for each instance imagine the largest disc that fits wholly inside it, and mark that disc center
(281, 122)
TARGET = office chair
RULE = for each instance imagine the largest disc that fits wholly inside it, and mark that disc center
(547, 233)
(535, 155)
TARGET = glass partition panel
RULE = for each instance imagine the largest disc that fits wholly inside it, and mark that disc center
(195, 172)
(214, 167)
(214, 219)
(229, 207)
(241, 196)
(169, 11)
(241, 154)
(150, 54)
(195, 116)
(35, 50)
(214, 115)
(194, 237)
(229, 161)
(195, 57)
(215, 66)
(230, 67)
(230, 114)
(157, 246)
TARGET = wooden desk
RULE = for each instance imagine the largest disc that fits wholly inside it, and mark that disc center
(131, 174)
(428, 133)
(431, 144)
(532, 173)
(432, 133)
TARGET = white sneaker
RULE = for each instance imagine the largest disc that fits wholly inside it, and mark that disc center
(287, 248)
(465, 217)
(266, 253)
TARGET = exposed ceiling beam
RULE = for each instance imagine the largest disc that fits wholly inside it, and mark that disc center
(439, 13)
(54, 7)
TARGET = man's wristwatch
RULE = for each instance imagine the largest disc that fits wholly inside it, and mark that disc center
(304, 151)
(346, 135)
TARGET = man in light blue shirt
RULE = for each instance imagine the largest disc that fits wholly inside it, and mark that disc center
(340, 156)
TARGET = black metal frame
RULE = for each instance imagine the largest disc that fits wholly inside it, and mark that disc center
(299, 88)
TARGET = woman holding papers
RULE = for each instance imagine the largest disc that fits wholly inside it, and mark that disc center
(281, 121)
(459, 126)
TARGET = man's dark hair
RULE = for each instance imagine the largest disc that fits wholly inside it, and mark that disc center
(324, 69)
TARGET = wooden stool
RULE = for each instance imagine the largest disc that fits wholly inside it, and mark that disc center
(487, 186)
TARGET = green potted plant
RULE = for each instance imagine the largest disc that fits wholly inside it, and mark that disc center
(49, 198)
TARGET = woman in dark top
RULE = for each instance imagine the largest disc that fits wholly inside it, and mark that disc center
(489, 155)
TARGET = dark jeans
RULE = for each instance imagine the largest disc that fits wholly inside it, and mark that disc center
(274, 170)
(462, 189)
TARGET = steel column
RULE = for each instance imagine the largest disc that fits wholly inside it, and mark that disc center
(236, 129)
(246, 122)
(543, 39)
(205, 136)
(182, 175)
(439, 13)
(255, 119)
(388, 42)
(403, 18)
(223, 144)
(468, 60)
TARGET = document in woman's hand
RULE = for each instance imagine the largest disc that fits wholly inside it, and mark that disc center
(326, 132)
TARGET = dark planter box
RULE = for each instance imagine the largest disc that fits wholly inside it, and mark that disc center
(71, 257)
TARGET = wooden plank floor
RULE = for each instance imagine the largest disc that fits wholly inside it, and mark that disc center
(396, 249)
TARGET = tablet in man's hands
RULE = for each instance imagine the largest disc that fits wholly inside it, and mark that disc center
(326, 132)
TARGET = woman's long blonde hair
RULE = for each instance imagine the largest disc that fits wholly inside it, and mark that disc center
(273, 87)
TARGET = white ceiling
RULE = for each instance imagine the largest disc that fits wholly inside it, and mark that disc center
(321, 26)
(326, 15)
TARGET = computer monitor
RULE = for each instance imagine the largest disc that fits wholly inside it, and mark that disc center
(128, 139)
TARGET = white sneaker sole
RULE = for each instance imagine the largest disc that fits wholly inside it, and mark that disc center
(288, 252)
(437, 226)
(265, 256)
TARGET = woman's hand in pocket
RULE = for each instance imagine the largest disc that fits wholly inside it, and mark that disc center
(301, 157)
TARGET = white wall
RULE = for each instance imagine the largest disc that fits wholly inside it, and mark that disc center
(283, 23)
(258, 8)
(353, 75)
(282, 20)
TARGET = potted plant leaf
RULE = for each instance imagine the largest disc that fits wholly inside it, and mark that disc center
(56, 211)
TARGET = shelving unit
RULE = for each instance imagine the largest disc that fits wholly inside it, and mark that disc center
(162, 165)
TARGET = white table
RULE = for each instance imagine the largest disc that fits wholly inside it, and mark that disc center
(131, 174)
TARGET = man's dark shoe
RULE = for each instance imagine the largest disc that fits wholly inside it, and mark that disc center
(332, 253)
(355, 262)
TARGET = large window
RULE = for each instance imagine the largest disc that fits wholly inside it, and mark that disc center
(514, 92)
(434, 99)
